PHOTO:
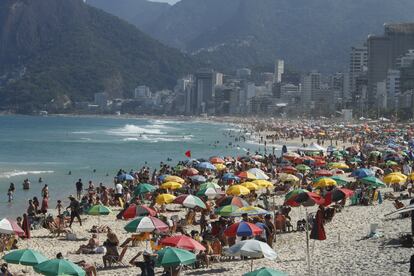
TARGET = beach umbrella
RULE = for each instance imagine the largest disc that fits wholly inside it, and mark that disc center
(361, 173)
(59, 267)
(294, 193)
(246, 175)
(391, 163)
(190, 172)
(173, 178)
(375, 153)
(264, 271)
(340, 180)
(284, 177)
(338, 165)
(323, 173)
(411, 176)
(231, 200)
(250, 211)
(146, 225)
(305, 199)
(190, 201)
(164, 199)
(258, 173)
(372, 181)
(337, 171)
(242, 229)
(138, 210)
(144, 188)
(324, 182)
(183, 242)
(253, 249)
(220, 167)
(226, 211)
(8, 226)
(211, 193)
(251, 186)
(355, 160)
(170, 185)
(125, 177)
(337, 195)
(98, 210)
(230, 176)
(291, 156)
(170, 256)
(289, 169)
(237, 190)
(398, 174)
(263, 183)
(26, 257)
(394, 179)
(209, 185)
(198, 178)
(206, 166)
(303, 168)
(216, 160)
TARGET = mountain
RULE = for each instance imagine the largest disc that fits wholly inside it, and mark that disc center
(308, 34)
(138, 12)
(65, 50)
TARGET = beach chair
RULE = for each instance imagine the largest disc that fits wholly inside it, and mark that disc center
(118, 259)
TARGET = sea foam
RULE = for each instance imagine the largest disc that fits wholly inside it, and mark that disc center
(21, 173)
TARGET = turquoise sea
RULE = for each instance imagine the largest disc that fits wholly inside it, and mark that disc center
(50, 147)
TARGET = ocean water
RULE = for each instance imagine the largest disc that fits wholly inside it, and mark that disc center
(50, 147)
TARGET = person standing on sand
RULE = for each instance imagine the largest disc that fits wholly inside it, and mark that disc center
(74, 207)
(79, 188)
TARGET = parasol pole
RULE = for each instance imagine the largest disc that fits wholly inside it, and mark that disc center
(251, 265)
(307, 242)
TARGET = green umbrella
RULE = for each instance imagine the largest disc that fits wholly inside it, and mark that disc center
(375, 153)
(171, 256)
(264, 271)
(372, 181)
(391, 163)
(144, 188)
(98, 210)
(295, 192)
(303, 168)
(209, 185)
(27, 257)
(59, 267)
(339, 180)
(355, 160)
(226, 210)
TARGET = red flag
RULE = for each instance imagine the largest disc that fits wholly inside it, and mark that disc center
(188, 153)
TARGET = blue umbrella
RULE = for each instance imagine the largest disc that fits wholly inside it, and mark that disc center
(206, 166)
(361, 173)
(127, 177)
(230, 176)
(198, 178)
(162, 177)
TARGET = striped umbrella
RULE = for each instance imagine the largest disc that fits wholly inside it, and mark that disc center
(138, 210)
(232, 200)
(98, 210)
(209, 185)
(250, 210)
(226, 210)
(258, 173)
(211, 193)
(295, 192)
(146, 225)
(242, 229)
(8, 226)
(190, 201)
(247, 175)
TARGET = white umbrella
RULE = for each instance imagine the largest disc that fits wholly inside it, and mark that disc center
(258, 173)
(252, 248)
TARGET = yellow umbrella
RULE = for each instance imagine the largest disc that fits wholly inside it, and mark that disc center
(164, 198)
(220, 166)
(339, 166)
(285, 177)
(171, 185)
(251, 186)
(324, 182)
(398, 174)
(263, 183)
(411, 176)
(237, 190)
(174, 178)
(394, 179)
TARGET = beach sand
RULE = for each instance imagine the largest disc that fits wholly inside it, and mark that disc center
(345, 252)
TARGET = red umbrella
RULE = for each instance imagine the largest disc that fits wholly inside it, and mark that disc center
(138, 210)
(242, 229)
(323, 173)
(305, 199)
(190, 172)
(231, 200)
(183, 242)
(216, 160)
(337, 195)
(289, 169)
